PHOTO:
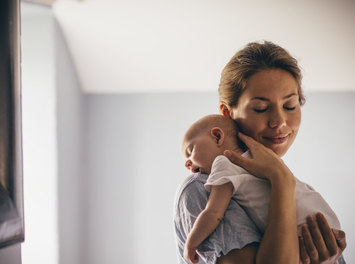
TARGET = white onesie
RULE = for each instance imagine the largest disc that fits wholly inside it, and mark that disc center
(253, 194)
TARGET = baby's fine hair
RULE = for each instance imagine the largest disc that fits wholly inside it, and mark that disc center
(228, 125)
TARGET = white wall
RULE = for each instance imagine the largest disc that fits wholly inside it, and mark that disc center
(134, 166)
(52, 146)
(39, 138)
(70, 158)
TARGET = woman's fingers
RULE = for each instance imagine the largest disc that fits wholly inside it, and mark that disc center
(248, 141)
(340, 238)
(264, 164)
(328, 235)
(235, 158)
(318, 238)
(321, 244)
(304, 258)
(308, 242)
(257, 149)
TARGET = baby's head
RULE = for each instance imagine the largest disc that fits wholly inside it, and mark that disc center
(206, 139)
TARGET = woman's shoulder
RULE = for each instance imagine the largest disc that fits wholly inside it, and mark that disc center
(193, 181)
(191, 188)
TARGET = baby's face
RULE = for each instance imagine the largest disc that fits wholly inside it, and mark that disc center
(199, 153)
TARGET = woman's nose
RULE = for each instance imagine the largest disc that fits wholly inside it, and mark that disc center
(277, 119)
(188, 164)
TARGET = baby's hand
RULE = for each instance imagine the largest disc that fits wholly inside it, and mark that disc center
(190, 254)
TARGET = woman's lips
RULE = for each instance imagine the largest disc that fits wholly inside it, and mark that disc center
(278, 139)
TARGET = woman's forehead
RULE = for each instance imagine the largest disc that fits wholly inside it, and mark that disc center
(271, 84)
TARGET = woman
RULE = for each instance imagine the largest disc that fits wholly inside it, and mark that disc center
(261, 90)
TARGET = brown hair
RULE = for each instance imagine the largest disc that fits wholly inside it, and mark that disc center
(253, 58)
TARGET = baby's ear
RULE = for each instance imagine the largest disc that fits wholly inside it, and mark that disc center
(218, 135)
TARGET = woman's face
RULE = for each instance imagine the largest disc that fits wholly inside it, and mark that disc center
(269, 109)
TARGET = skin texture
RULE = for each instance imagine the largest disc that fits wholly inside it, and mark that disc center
(269, 113)
(243, 256)
(200, 149)
(269, 110)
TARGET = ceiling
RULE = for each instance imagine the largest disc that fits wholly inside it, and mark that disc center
(121, 46)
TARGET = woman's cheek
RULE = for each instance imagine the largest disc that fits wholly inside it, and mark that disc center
(249, 123)
(249, 126)
(295, 121)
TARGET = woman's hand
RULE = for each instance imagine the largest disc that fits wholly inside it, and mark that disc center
(317, 248)
(280, 241)
(265, 163)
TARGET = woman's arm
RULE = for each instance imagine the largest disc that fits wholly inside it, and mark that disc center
(208, 219)
(280, 241)
(320, 244)
(246, 255)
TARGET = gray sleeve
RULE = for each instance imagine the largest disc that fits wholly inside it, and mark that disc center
(341, 260)
(235, 231)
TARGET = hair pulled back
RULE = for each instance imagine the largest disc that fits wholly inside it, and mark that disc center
(253, 58)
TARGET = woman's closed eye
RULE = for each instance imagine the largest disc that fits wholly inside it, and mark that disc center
(291, 104)
(290, 108)
(263, 110)
(258, 110)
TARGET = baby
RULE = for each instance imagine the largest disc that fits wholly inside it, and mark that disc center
(202, 148)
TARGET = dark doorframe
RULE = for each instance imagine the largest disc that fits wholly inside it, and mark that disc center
(11, 187)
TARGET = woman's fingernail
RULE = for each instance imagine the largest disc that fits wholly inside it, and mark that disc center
(319, 215)
(304, 228)
(310, 218)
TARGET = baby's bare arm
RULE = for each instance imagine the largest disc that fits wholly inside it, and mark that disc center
(209, 218)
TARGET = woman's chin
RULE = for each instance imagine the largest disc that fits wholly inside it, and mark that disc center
(279, 150)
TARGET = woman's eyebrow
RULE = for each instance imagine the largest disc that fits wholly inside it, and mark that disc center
(266, 99)
(290, 95)
(260, 98)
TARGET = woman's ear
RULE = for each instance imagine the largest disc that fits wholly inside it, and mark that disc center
(218, 135)
(223, 109)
